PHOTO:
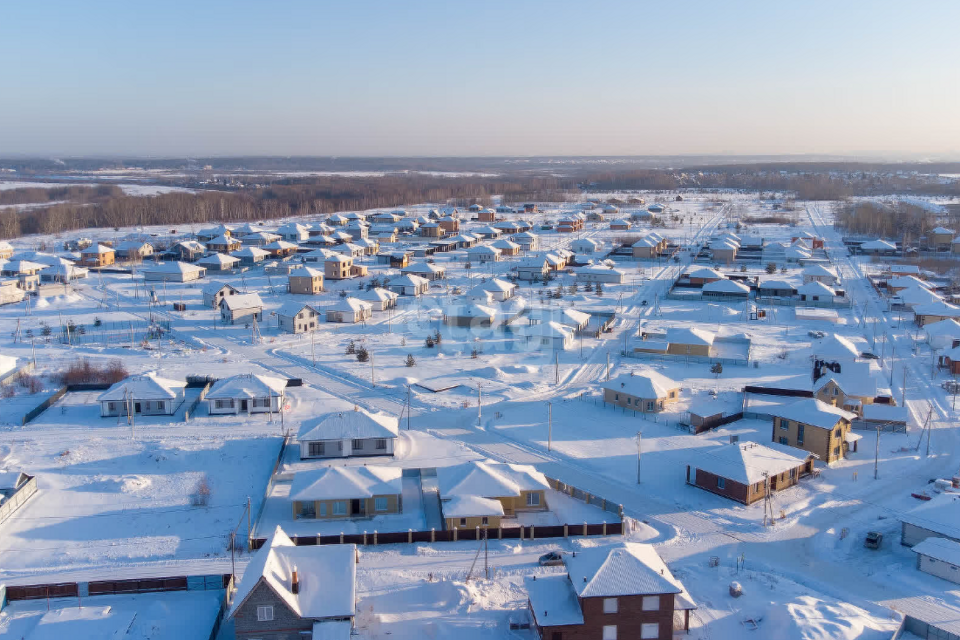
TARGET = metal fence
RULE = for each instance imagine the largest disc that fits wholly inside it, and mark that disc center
(17, 500)
(266, 493)
(197, 401)
(59, 393)
(586, 496)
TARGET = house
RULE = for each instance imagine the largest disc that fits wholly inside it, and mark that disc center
(26, 272)
(725, 289)
(97, 256)
(646, 391)
(280, 248)
(816, 291)
(549, 335)
(10, 292)
(380, 299)
(700, 276)
(241, 308)
(470, 315)
(430, 271)
(370, 245)
(506, 247)
(796, 254)
(724, 250)
(346, 492)
(204, 235)
(349, 310)
(938, 517)
(600, 273)
(355, 251)
(148, 395)
(408, 285)
(298, 317)
(878, 248)
(815, 426)
(851, 389)
(517, 487)
(483, 253)
(940, 238)
(134, 250)
(258, 239)
(690, 341)
(449, 224)
(924, 314)
(187, 251)
(63, 271)
(776, 289)
(431, 230)
(293, 232)
(215, 291)
(527, 241)
(218, 262)
(6, 249)
(495, 288)
(610, 591)
(819, 273)
(305, 281)
(586, 245)
(173, 272)
(246, 393)
(901, 270)
(648, 246)
(533, 269)
(488, 232)
(741, 470)
(939, 557)
(224, 244)
(899, 283)
(620, 225)
(250, 256)
(505, 209)
(296, 592)
(943, 334)
(348, 433)
(340, 267)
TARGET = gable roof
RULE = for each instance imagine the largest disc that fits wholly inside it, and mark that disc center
(725, 286)
(247, 385)
(346, 483)
(940, 514)
(344, 425)
(214, 287)
(377, 293)
(173, 267)
(488, 479)
(645, 384)
(242, 301)
(628, 569)
(148, 386)
(816, 288)
(218, 259)
(854, 379)
(292, 308)
(813, 412)
(746, 462)
(689, 335)
(305, 272)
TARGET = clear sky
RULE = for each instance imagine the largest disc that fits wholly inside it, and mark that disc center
(479, 78)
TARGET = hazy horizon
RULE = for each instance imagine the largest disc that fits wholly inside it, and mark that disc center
(433, 79)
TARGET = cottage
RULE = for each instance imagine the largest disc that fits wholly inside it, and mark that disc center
(483, 253)
(340, 267)
(10, 292)
(725, 289)
(724, 250)
(250, 256)
(913, 297)
(396, 259)
(449, 224)
(63, 271)
(776, 289)
(488, 232)
(246, 393)
(690, 341)
(611, 591)
(280, 248)
(549, 335)
(296, 592)
(27, 273)
(6, 249)
(186, 251)
(134, 250)
(218, 262)
(215, 291)
(348, 433)
(819, 273)
(298, 317)
(431, 230)
(470, 315)
(647, 391)
(516, 487)
(409, 285)
(258, 239)
(355, 251)
(223, 244)
(305, 281)
(380, 299)
(428, 270)
(925, 314)
(349, 310)
(173, 272)
(600, 273)
(814, 426)
(816, 291)
(205, 235)
(346, 492)
(241, 308)
(586, 245)
(533, 269)
(940, 238)
(527, 241)
(851, 389)
(507, 247)
(943, 334)
(97, 256)
(293, 232)
(148, 395)
(646, 247)
(495, 289)
(747, 471)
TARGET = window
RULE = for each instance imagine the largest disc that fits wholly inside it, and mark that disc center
(316, 448)
(380, 504)
(649, 406)
(836, 451)
(616, 396)
(793, 474)
(610, 605)
(533, 499)
(784, 424)
(381, 444)
(146, 405)
(111, 406)
(323, 509)
(308, 509)
(721, 483)
(784, 440)
(836, 391)
(463, 522)
(628, 400)
(651, 603)
(485, 521)
(265, 613)
(357, 443)
(799, 434)
(340, 508)
(650, 630)
(609, 632)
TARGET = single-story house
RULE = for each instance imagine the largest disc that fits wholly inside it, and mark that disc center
(409, 285)
(251, 255)
(258, 238)
(527, 241)
(297, 317)
(495, 288)
(740, 470)
(218, 262)
(428, 270)
(646, 391)
(349, 310)
(925, 314)
(470, 315)
(346, 492)
(549, 334)
(944, 334)
(776, 289)
(819, 273)
(507, 247)
(600, 273)
(690, 341)
(209, 233)
(246, 393)
(224, 244)
(517, 487)
(173, 272)
(380, 299)
(725, 290)
(700, 276)
(280, 248)
(483, 253)
(135, 250)
(851, 389)
(215, 291)
(241, 308)
(293, 232)
(533, 269)
(816, 291)
(348, 433)
(148, 395)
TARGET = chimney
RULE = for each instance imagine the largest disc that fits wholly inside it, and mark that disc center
(295, 583)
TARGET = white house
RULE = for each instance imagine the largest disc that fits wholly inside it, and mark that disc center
(250, 256)
(527, 241)
(599, 273)
(819, 273)
(148, 395)
(586, 245)
(246, 393)
(348, 433)
(548, 335)
(297, 317)
(426, 270)
(381, 299)
(483, 253)
(174, 272)
(533, 269)
(409, 285)
(350, 310)
(241, 308)
(214, 292)
(494, 289)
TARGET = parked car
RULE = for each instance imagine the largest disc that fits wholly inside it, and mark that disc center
(551, 559)
(869, 356)
(873, 540)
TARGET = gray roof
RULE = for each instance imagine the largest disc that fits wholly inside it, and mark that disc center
(629, 569)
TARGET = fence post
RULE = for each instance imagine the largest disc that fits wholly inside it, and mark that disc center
(455, 530)
(499, 533)
(478, 532)
(341, 537)
(532, 532)
(433, 535)
(604, 528)
(364, 538)
(566, 531)
(521, 532)
(375, 535)
(409, 536)
(584, 528)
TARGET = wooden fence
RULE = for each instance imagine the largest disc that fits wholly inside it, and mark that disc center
(17, 500)
(197, 401)
(266, 493)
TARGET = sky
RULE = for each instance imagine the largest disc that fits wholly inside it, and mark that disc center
(480, 78)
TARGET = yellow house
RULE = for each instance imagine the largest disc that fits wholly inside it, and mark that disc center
(647, 392)
(97, 256)
(338, 267)
(514, 487)
(851, 389)
(470, 512)
(346, 492)
(814, 426)
(689, 342)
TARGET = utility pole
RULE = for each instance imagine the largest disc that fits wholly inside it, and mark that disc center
(313, 347)
(549, 426)
(639, 453)
(608, 366)
(903, 388)
(876, 457)
(479, 403)
(408, 407)
(556, 367)
(373, 373)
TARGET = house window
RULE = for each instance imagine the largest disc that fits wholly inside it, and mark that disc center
(793, 474)
(799, 434)
(463, 522)
(649, 406)
(308, 509)
(784, 424)
(628, 400)
(721, 483)
(651, 603)
(340, 508)
(382, 444)
(357, 443)
(784, 440)
(380, 504)
(836, 391)
(610, 605)
(649, 630)
(323, 509)
(316, 448)
(146, 405)
(111, 406)
(533, 499)
(485, 521)
(836, 451)
(609, 632)
(265, 613)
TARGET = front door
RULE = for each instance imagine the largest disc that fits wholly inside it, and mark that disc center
(243, 405)
(356, 507)
(136, 407)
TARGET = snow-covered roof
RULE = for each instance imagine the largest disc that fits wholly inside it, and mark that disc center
(280, 245)
(377, 293)
(218, 259)
(938, 308)
(327, 575)
(148, 386)
(549, 329)
(553, 600)
(776, 284)
(901, 282)
(192, 245)
(424, 267)
(10, 480)
(690, 335)
(489, 479)
(503, 243)
(725, 286)
(915, 296)
(215, 286)
(337, 257)
(705, 273)
(468, 506)
(855, 379)
(819, 270)
(903, 268)
(350, 305)
(947, 327)
(346, 483)
(496, 284)
(746, 462)
(885, 413)
(939, 549)
(878, 245)
(247, 386)
(305, 272)
(250, 252)
(796, 252)
(292, 308)
(224, 240)
(23, 266)
(812, 412)
(97, 249)
(598, 268)
(943, 231)
(484, 249)
(815, 288)
(835, 346)
(347, 247)
(132, 245)
(408, 280)
(646, 241)
(940, 514)
(471, 311)
(265, 236)
(625, 569)
(242, 301)
(647, 384)
(173, 267)
(343, 425)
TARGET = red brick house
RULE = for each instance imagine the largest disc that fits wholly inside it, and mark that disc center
(742, 471)
(615, 592)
